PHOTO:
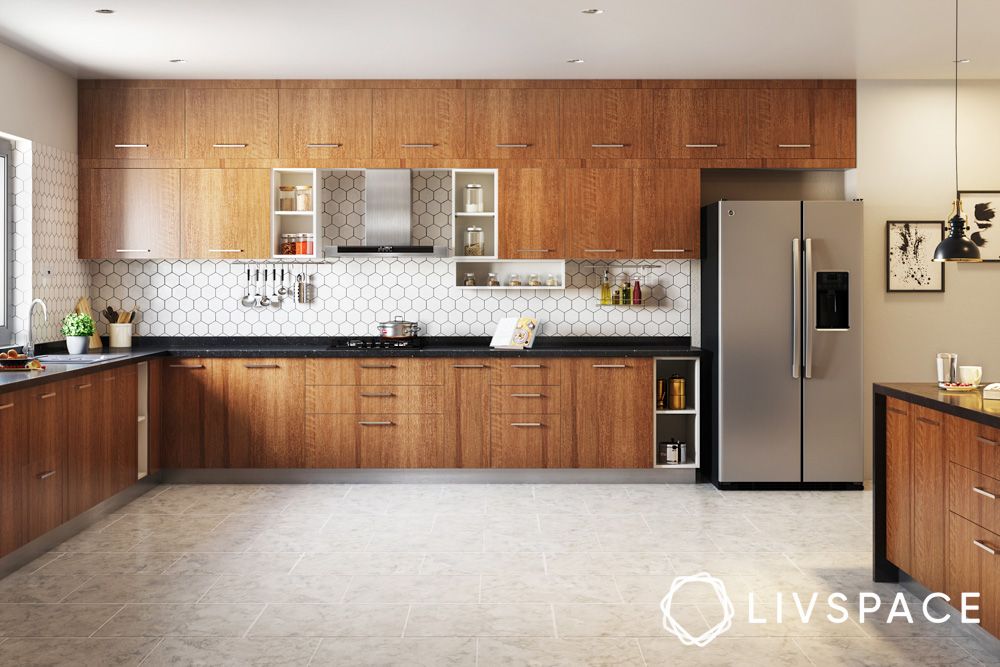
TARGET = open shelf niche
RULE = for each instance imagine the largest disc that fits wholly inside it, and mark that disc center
(683, 425)
(462, 219)
(295, 222)
(505, 268)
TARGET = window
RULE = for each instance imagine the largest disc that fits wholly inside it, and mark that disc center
(6, 207)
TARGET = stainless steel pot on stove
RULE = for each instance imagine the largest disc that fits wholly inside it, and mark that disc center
(398, 328)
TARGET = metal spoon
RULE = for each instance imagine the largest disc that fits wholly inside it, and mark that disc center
(275, 299)
(248, 301)
(282, 291)
(265, 301)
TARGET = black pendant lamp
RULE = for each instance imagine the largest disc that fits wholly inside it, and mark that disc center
(956, 247)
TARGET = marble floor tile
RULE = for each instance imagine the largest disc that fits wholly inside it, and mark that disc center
(261, 564)
(610, 562)
(725, 652)
(233, 652)
(575, 652)
(357, 562)
(622, 620)
(277, 588)
(479, 620)
(395, 652)
(412, 589)
(824, 652)
(453, 563)
(549, 588)
(79, 652)
(28, 587)
(125, 588)
(331, 620)
(110, 563)
(53, 620)
(197, 541)
(191, 620)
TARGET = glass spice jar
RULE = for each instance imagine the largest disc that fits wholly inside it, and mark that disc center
(287, 244)
(473, 198)
(286, 198)
(533, 280)
(551, 281)
(515, 280)
(303, 198)
(474, 242)
(492, 280)
(470, 280)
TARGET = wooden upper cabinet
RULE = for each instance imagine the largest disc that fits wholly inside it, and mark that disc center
(700, 123)
(802, 123)
(130, 214)
(513, 123)
(599, 213)
(134, 123)
(418, 123)
(532, 213)
(666, 214)
(604, 123)
(231, 123)
(225, 213)
(324, 123)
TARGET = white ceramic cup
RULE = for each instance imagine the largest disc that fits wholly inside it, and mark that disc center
(120, 335)
(970, 374)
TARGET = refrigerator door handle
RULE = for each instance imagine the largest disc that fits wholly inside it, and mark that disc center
(807, 321)
(796, 308)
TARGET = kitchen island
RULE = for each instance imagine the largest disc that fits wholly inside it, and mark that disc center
(936, 481)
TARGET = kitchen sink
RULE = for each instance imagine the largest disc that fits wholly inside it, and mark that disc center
(79, 358)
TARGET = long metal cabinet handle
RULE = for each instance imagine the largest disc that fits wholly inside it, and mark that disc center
(600, 250)
(986, 441)
(607, 366)
(796, 308)
(375, 423)
(377, 366)
(607, 145)
(526, 366)
(229, 145)
(46, 474)
(985, 547)
(807, 308)
(794, 145)
(384, 394)
(322, 145)
(526, 395)
(701, 145)
(512, 145)
(195, 366)
(49, 395)
(526, 424)
(468, 365)
(418, 145)
(131, 145)
(984, 492)
(252, 366)
(533, 250)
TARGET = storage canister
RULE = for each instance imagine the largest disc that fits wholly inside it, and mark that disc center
(473, 198)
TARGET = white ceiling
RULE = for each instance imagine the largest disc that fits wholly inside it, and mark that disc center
(506, 38)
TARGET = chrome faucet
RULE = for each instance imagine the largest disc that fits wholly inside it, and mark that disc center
(29, 343)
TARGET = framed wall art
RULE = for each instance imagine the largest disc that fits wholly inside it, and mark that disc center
(909, 261)
(980, 208)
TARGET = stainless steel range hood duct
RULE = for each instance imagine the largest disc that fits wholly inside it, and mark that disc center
(387, 219)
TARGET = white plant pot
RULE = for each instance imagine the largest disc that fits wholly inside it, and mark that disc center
(77, 344)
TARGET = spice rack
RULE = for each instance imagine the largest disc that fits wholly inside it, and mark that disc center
(294, 221)
(682, 424)
(504, 268)
(463, 216)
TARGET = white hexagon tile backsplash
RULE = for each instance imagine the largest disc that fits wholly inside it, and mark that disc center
(201, 298)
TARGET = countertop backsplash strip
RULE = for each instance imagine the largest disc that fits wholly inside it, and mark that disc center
(202, 298)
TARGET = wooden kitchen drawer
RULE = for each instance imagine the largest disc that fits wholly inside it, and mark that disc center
(535, 399)
(974, 567)
(546, 371)
(973, 445)
(974, 496)
(376, 441)
(374, 371)
(525, 441)
(359, 399)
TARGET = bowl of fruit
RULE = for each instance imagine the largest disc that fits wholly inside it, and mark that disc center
(12, 359)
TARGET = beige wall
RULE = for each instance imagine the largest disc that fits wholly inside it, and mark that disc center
(39, 101)
(906, 172)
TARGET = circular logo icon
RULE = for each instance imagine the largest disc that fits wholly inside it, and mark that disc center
(671, 625)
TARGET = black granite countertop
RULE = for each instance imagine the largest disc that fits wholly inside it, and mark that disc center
(325, 347)
(967, 405)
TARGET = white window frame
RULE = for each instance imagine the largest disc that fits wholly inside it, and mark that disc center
(6, 231)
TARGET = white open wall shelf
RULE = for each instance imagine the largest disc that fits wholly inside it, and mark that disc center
(295, 222)
(683, 425)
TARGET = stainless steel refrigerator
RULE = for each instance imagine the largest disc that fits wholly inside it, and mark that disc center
(781, 319)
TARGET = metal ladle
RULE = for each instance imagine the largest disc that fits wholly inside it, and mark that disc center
(265, 300)
(248, 300)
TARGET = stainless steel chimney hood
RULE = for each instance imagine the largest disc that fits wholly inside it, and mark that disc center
(387, 219)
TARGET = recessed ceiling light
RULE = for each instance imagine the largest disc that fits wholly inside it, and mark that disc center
(575, 61)
(177, 60)
(104, 11)
(591, 11)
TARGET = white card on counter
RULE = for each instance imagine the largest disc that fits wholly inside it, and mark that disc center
(514, 333)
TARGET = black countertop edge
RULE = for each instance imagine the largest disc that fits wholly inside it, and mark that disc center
(145, 348)
(965, 405)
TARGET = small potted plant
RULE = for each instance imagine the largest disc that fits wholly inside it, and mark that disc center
(78, 328)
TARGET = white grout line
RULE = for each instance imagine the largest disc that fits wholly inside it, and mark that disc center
(614, 579)
(802, 650)
(477, 651)
(120, 609)
(555, 626)
(263, 609)
(155, 646)
(315, 651)
(638, 645)
(82, 584)
(406, 621)
(291, 570)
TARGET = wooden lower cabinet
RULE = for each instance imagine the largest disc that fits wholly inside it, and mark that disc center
(119, 427)
(929, 502)
(265, 416)
(190, 414)
(526, 441)
(46, 479)
(14, 457)
(898, 455)
(87, 472)
(611, 401)
(974, 567)
(467, 411)
(376, 441)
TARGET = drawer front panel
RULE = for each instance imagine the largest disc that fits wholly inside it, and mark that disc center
(522, 399)
(974, 567)
(527, 371)
(525, 441)
(359, 399)
(374, 371)
(974, 446)
(401, 441)
(975, 497)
